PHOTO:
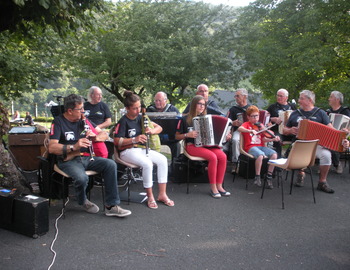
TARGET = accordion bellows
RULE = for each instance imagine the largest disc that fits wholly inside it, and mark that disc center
(212, 130)
(328, 137)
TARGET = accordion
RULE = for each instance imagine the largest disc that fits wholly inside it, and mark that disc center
(339, 121)
(212, 130)
(328, 137)
(284, 116)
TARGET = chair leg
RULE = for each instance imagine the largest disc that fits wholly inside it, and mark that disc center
(312, 184)
(279, 173)
(103, 193)
(247, 175)
(188, 175)
(291, 183)
(263, 187)
(64, 196)
(235, 172)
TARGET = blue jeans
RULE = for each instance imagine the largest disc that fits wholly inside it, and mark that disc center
(76, 168)
(257, 151)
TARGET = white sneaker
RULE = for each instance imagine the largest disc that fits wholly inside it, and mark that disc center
(90, 207)
(117, 211)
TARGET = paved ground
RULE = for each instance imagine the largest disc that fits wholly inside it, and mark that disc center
(239, 232)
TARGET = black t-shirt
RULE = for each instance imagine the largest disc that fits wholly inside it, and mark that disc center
(168, 108)
(234, 110)
(183, 127)
(274, 108)
(128, 128)
(97, 113)
(212, 108)
(316, 114)
(341, 110)
(67, 132)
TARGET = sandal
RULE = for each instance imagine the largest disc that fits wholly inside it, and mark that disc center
(152, 204)
(167, 202)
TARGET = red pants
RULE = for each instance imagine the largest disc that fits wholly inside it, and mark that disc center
(216, 161)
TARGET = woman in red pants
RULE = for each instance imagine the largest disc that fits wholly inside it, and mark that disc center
(215, 156)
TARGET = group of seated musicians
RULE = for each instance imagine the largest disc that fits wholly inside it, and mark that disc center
(286, 117)
(129, 139)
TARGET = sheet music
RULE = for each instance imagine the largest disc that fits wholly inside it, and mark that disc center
(279, 161)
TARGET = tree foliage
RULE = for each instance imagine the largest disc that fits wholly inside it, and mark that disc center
(63, 15)
(31, 35)
(297, 44)
(150, 46)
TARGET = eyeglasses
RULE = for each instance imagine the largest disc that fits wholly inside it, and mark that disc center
(280, 95)
(201, 104)
(237, 96)
(254, 116)
(80, 109)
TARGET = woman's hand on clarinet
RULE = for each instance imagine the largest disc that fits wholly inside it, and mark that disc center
(141, 138)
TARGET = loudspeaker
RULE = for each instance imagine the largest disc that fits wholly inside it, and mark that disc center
(26, 148)
(25, 214)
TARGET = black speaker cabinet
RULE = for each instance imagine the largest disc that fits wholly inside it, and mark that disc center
(25, 214)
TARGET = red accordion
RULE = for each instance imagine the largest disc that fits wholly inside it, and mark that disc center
(328, 137)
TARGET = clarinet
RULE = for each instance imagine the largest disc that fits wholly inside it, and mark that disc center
(145, 125)
(86, 128)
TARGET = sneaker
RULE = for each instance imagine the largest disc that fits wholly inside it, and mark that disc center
(323, 186)
(117, 211)
(257, 181)
(90, 207)
(269, 184)
(339, 169)
(300, 180)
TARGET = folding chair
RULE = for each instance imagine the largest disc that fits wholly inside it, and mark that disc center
(302, 155)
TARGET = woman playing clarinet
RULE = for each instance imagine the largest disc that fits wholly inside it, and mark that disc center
(215, 156)
(130, 141)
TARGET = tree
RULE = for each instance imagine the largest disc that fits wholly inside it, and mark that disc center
(297, 44)
(29, 31)
(30, 36)
(150, 46)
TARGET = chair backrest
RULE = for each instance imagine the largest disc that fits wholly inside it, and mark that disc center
(241, 143)
(302, 154)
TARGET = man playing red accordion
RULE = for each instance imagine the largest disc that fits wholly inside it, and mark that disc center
(309, 111)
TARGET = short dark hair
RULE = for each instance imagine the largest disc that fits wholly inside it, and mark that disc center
(71, 101)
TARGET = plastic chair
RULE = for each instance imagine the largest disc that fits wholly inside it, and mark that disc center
(246, 158)
(302, 155)
(189, 159)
